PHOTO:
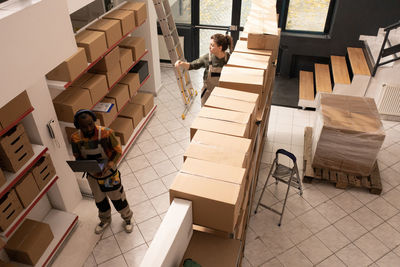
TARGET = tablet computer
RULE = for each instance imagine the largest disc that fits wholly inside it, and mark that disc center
(87, 165)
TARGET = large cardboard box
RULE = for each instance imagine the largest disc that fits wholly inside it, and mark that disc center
(242, 79)
(120, 93)
(123, 127)
(132, 80)
(94, 43)
(106, 118)
(70, 68)
(140, 11)
(27, 190)
(214, 202)
(10, 208)
(109, 61)
(241, 47)
(251, 61)
(146, 100)
(43, 171)
(70, 101)
(133, 112)
(219, 126)
(14, 109)
(348, 134)
(126, 17)
(125, 59)
(97, 87)
(236, 95)
(136, 44)
(112, 75)
(111, 28)
(29, 242)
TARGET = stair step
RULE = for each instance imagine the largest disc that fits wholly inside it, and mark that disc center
(323, 82)
(358, 62)
(339, 70)
(306, 85)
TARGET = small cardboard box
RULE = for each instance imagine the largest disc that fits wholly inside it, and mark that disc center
(136, 44)
(219, 126)
(242, 79)
(82, 79)
(112, 75)
(214, 202)
(10, 208)
(264, 41)
(251, 61)
(3, 179)
(126, 17)
(142, 68)
(14, 109)
(125, 59)
(111, 28)
(71, 68)
(97, 87)
(94, 43)
(109, 61)
(133, 112)
(43, 171)
(132, 80)
(27, 190)
(106, 118)
(70, 101)
(140, 11)
(120, 93)
(146, 100)
(29, 242)
(123, 127)
(241, 47)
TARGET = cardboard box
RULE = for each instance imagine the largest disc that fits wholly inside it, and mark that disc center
(133, 112)
(136, 44)
(43, 171)
(70, 101)
(29, 242)
(242, 79)
(27, 190)
(14, 109)
(112, 74)
(219, 126)
(146, 100)
(120, 93)
(214, 202)
(108, 62)
(142, 69)
(348, 134)
(111, 28)
(132, 80)
(236, 95)
(241, 47)
(3, 179)
(82, 79)
(264, 41)
(71, 68)
(140, 11)
(125, 59)
(126, 18)
(106, 118)
(251, 61)
(10, 208)
(93, 42)
(123, 127)
(97, 87)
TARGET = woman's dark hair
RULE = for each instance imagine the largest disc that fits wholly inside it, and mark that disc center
(223, 40)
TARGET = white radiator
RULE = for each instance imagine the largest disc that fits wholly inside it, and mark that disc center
(389, 100)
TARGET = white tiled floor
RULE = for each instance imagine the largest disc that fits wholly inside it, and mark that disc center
(325, 227)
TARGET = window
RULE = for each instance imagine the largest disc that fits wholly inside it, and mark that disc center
(308, 15)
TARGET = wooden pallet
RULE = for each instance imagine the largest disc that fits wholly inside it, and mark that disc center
(341, 179)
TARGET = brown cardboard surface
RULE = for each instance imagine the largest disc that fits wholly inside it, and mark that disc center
(123, 127)
(120, 93)
(213, 251)
(7, 264)
(132, 80)
(219, 126)
(214, 203)
(225, 115)
(15, 151)
(97, 87)
(29, 242)
(235, 94)
(263, 41)
(27, 190)
(69, 131)
(112, 74)
(125, 59)
(136, 44)
(43, 171)
(7, 140)
(94, 43)
(140, 11)
(251, 61)
(241, 47)
(242, 79)
(146, 100)
(106, 118)
(133, 112)
(82, 79)
(109, 61)
(111, 28)
(126, 17)
(70, 68)
(70, 101)
(10, 208)
(14, 109)
(2, 178)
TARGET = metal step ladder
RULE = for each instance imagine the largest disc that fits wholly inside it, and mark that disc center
(175, 52)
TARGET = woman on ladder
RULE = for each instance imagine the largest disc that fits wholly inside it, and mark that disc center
(212, 62)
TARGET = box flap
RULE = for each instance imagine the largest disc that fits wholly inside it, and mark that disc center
(118, 14)
(103, 24)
